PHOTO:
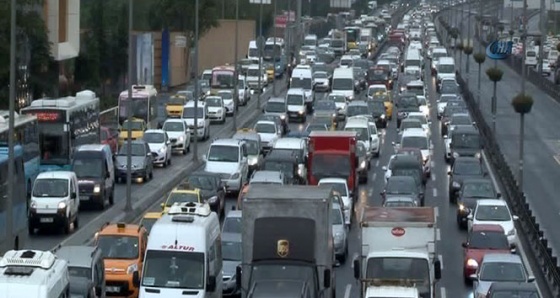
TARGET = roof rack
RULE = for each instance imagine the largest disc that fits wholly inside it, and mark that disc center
(190, 208)
(28, 258)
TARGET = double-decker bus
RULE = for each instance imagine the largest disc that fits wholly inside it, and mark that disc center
(17, 236)
(352, 37)
(26, 133)
(143, 106)
(223, 78)
(64, 124)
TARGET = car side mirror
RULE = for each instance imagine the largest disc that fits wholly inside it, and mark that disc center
(211, 284)
(470, 217)
(445, 136)
(473, 277)
(530, 278)
(168, 142)
(384, 168)
(498, 195)
(136, 279)
(149, 154)
(238, 277)
(464, 244)
(73, 195)
(515, 217)
(449, 173)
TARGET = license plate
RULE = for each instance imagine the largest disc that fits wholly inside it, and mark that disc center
(84, 198)
(47, 219)
(113, 289)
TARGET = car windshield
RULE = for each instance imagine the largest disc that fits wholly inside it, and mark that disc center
(79, 272)
(324, 105)
(408, 102)
(51, 188)
(449, 88)
(220, 153)
(226, 95)
(189, 113)
(337, 98)
(375, 90)
(415, 142)
(465, 140)
(515, 294)
(418, 117)
(338, 187)
(399, 203)
(492, 213)
(357, 110)
(231, 250)
(337, 43)
(305, 83)
(376, 106)
(232, 225)
(202, 182)
(467, 168)
(400, 186)
(502, 271)
(294, 99)
(176, 100)
(118, 247)
(173, 126)
(488, 240)
(265, 128)
(446, 68)
(252, 147)
(275, 107)
(377, 75)
(446, 98)
(410, 124)
(478, 190)
(362, 132)
(87, 167)
(285, 167)
(133, 125)
(253, 72)
(343, 84)
(320, 75)
(316, 127)
(336, 216)
(154, 138)
(136, 149)
(460, 120)
(174, 269)
(214, 101)
(181, 197)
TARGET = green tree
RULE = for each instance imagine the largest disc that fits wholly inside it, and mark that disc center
(31, 31)
(179, 15)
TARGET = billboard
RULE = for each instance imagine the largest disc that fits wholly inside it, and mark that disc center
(340, 3)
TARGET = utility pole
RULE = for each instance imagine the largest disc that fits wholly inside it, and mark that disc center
(260, 45)
(236, 67)
(196, 91)
(522, 116)
(128, 206)
(469, 42)
(11, 159)
(274, 53)
(542, 25)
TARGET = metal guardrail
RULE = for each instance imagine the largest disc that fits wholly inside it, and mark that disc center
(530, 227)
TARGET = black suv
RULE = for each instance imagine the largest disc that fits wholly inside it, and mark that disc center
(463, 168)
(289, 162)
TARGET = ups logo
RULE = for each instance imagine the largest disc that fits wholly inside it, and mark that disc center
(283, 248)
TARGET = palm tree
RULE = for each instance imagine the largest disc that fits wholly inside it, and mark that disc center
(479, 58)
(468, 50)
(495, 75)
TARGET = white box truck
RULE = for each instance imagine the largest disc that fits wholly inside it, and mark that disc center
(398, 250)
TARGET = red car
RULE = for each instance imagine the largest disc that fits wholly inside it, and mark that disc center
(483, 239)
(110, 137)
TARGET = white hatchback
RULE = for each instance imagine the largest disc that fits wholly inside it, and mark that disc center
(160, 145)
(494, 212)
(339, 185)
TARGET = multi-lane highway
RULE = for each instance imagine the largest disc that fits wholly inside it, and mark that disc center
(542, 141)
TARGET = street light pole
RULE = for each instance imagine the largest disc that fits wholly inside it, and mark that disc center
(260, 46)
(128, 206)
(274, 53)
(196, 91)
(469, 43)
(9, 198)
(522, 116)
(236, 79)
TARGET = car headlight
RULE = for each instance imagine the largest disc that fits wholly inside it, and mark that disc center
(301, 112)
(463, 208)
(97, 188)
(235, 176)
(212, 200)
(363, 164)
(456, 184)
(282, 116)
(351, 97)
(455, 155)
(62, 205)
(132, 268)
(252, 161)
(472, 263)
(478, 155)
(33, 205)
(181, 138)
(161, 150)
(200, 123)
(334, 115)
(511, 232)
(382, 116)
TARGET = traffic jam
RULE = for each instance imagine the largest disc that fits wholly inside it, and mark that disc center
(358, 180)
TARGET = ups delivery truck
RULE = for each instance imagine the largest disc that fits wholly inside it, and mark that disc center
(287, 242)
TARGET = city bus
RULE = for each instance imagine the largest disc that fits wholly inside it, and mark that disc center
(352, 37)
(223, 78)
(16, 238)
(26, 133)
(144, 104)
(64, 124)
(274, 56)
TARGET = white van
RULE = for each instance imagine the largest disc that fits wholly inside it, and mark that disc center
(343, 83)
(413, 59)
(302, 77)
(417, 138)
(203, 125)
(183, 256)
(437, 53)
(445, 69)
(295, 100)
(54, 201)
(531, 57)
(33, 274)
(366, 131)
(310, 40)
(253, 51)
(346, 61)
(93, 165)
(228, 157)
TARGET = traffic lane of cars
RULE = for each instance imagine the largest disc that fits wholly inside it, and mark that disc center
(542, 142)
(91, 220)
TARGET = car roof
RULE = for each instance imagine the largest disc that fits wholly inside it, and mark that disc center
(414, 132)
(357, 103)
(501, 258)
(400, 198)
(296, 91)
(266, 176)
(227, 142)
(401, 159)
(76, 256)
(234, 214)
(246, 135)
(491, 202)
(160, 131)
(402, 178)
(231, 237)
(377, 86)
(276, 99)
(487, 227)
(288, 143)
(467, 159)
(465, 129)
(515, 286)
(333, 180)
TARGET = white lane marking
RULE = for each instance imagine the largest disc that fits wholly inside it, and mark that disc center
(443, 292)
(433, 177)
(435, 192)
(370, 193)
(433, 164)
(441, 261)
(377, 163)
(438, 234)
(347, 291)
(374, 176)
(436, 211)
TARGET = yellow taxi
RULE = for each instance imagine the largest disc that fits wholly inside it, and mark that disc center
(149, 219)
(174, 106)
(181, 194)
(122, 247)
(137, 127)
(387, 101)
(270, 72)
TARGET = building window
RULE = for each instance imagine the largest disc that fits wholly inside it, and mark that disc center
(62, 21)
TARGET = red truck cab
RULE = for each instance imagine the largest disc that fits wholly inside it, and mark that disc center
(332, 154)
(110, 137)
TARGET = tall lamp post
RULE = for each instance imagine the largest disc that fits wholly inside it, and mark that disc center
(128, 206)
(260, 46)
(9, 203)
(236, 79)
(196, 91)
